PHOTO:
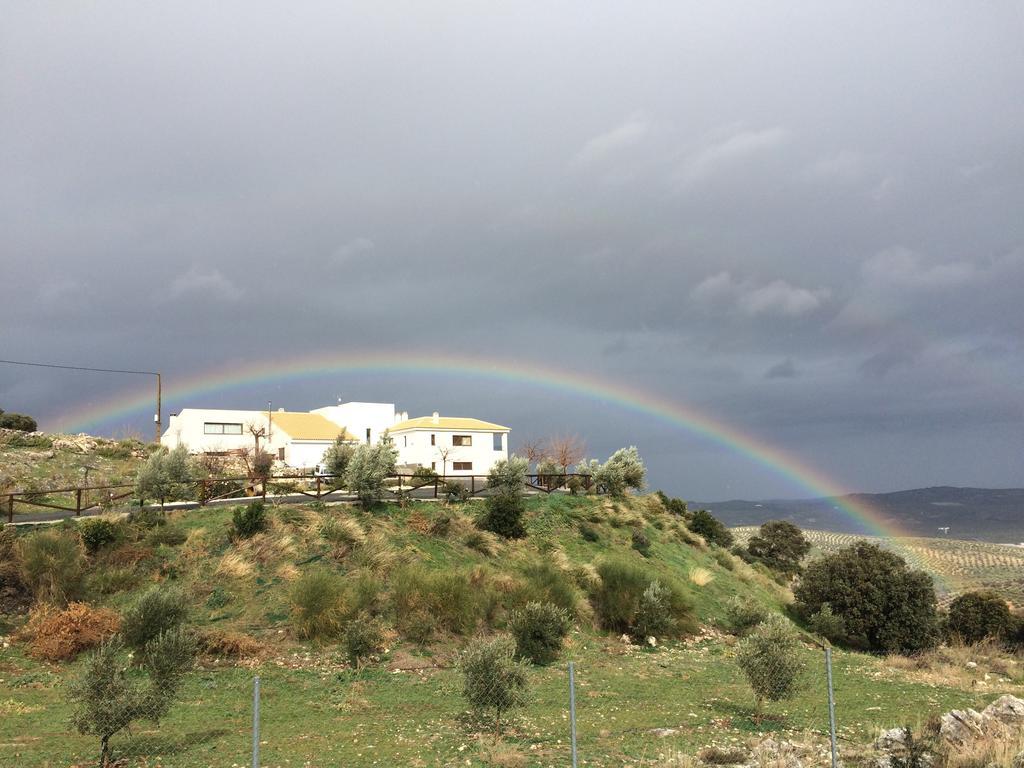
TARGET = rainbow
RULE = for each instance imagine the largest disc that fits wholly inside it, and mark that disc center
(783, 464)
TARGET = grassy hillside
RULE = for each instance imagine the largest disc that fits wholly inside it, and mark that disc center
(958, 566)
(635, 703)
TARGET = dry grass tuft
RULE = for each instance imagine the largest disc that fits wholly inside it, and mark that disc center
(586, 576)
(233, 565)
(288, 572)
(671, 759)
(59, 635)
(486, 543)
(219, 642)
(377, 553)
(420, 523)
(196, 546)
(127, 555)
(502, 755)
(265, 548)
(701, 576)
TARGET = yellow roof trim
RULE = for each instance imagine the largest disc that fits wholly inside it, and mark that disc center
(447, 422)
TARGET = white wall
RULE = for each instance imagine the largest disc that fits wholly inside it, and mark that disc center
(414, 448)
(358, 417)
(187, 428)
(305, 453)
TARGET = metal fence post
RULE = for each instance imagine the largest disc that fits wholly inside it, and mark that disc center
(831, 705)
(256, 722)
(572, 710)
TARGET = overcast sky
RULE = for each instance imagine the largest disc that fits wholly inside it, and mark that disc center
(803, 219)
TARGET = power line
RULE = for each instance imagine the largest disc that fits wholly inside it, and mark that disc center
(157, 418)
(77, 367)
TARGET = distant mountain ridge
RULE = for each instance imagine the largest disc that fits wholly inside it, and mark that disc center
(982, 514)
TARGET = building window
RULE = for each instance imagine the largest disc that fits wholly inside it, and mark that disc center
(280, 453)
(433, 465)
(462, 466)
(497, 441)
(433, 439)
(466, 440)
(405, 441)
(367, 435)
(220, 428)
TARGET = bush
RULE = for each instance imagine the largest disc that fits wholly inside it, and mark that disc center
(166, 475)
(742, 614)
(60, 635)
(363, 637)
(107, 700)
(975, 616)
(12, 584)
(317, 608)
(148, 518)
(166, 535)
(53, 567)
(780, 545)
(424, 476)
(539, 629)
(493, 681)
(503, 515)
(508, 476)
(337, 458)
(828, 625)
(707, 525)
(455, 491)
(575, 485)
(724, 559)
(368, 470)
(623, 603)
(673, 506)
(426, 601)
(249, 520)
(98, 532)
(546, 583)
(771, 660)
(18, 421)
(159, 610)
(885, 606)
(640, 542)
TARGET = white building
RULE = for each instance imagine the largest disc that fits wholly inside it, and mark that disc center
(450, 445)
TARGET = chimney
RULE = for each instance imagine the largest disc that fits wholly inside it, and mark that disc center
(435, 417)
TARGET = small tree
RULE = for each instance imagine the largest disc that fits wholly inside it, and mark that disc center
(165, 475)
(503, 515)
(338, 457)
(539, 629)
(770, 658)
(710, 527)
(780, 545)
(369, 468)
(109, 695)
(974, 616)
(566, 450)
(18, 421)
(508, 476)
(158, 610)
(494, 682)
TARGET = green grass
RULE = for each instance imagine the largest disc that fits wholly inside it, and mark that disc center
(406, 709)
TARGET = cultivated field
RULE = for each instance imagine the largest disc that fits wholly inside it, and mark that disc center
(957, 565)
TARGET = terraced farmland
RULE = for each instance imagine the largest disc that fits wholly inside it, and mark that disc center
(958, 566)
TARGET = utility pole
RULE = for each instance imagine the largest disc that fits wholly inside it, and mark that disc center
(157, 417)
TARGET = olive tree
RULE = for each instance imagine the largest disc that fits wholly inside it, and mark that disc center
(494, 682)
(165, 475)
(369, 469)
(771, 661)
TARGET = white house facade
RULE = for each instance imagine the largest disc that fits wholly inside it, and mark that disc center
(450, 445)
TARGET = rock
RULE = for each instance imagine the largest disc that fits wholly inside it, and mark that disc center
(779, 754)
(891, 740)
(1006, 709)
(962, 726)
(971, 664)
(662, 733)
(652, 641)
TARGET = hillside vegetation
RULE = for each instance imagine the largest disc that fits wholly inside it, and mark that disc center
(430, 580)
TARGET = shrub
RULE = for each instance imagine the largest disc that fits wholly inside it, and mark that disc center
(159, 610)
(107, 699)
(363, 637)
(60, 635)
(221, 642)
(673, 506)
(53, 567)
(974, 616)
(771, 661)
(780, 545)
(539, 629)
(148, 518)
(575, 485)
(338, 457)
(342, 532)
(828, 625)
(503, 515)
(742, 614)
(885, 606)
(12, 584)
(424, 476)
(317, 605)
(484, 542)
(368, 470)
(97, 532)
(724, 559)
(425, 601)
(454, 491)
(546, 583)
(589, 532)
(508, 476)
(707, 525)
(166, 535)
(623, 603)
(110, 579)
(166, 475)
(654, 615)
(250, 519)
(18, 421)
(493, 681)
(640, 542)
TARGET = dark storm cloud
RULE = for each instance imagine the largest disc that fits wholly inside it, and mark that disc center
(699, 201)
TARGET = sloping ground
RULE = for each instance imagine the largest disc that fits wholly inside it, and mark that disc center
(39, 461)
(958, 566)
(406, 709)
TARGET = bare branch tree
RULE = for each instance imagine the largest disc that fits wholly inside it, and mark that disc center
(566, 450)
(532, 450)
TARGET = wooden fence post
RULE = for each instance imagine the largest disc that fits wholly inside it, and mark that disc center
(78, 502)
(10, 508)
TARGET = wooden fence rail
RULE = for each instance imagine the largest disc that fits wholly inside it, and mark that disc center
(318, 487)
